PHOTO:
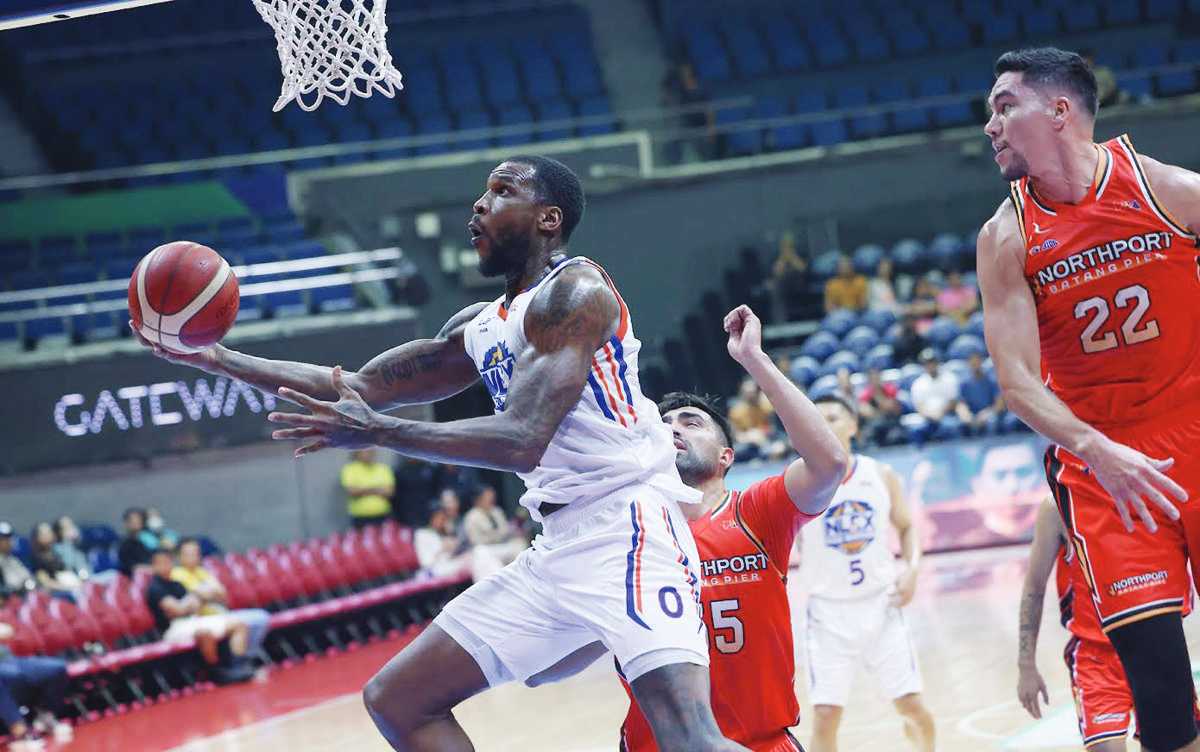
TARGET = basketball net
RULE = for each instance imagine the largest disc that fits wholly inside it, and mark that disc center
(330, 48)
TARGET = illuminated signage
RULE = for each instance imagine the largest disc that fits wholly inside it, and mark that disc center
(165, 403)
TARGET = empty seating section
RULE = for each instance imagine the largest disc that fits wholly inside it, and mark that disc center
(885, 62)
(94, 257)
(322, 593)
(138, 100)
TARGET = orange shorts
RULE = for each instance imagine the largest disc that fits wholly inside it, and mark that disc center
(1136, 575)
(1103, 702)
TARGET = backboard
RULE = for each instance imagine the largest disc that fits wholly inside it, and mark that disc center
(17, 13)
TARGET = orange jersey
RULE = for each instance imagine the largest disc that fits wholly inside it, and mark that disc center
(1075, 608)
(744, 545)
(1115, 280)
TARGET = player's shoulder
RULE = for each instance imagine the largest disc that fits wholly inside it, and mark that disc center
(1001, 235)
(576, 301)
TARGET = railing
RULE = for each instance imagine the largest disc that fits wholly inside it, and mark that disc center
(242, 272)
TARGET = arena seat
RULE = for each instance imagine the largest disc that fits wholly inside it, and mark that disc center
(941, 332)
(879, 319)
(965, 345)
(881, 356)
(860, 340)
(842, 359)
(975, 324)
(867, 257)
(839, 322)
(803, 370)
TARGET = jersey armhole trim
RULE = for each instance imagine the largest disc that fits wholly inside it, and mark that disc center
(737, 515)
(1014, 195)
(1157, 206)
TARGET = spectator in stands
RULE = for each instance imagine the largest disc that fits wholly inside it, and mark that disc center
(177, 615)
(33, 682)
(214, 599)
(53, 575)
(369, 485)
(14, 575)
(980, 404)
(957, 299)
(881, 290)
(790, 281)
(909, 343)
(486, 526)
(156, 534)
(923, 307)
(847, 290)
(753, 421)
(439, 550)
(68, 535)
(845, 389)
(690, 94)
(133, 551)
(935, 398)
(879, 409)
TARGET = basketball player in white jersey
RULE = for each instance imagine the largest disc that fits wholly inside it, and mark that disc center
(856, 593)
(616, 562)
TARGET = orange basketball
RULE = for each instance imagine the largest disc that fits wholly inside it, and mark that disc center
(183, 296)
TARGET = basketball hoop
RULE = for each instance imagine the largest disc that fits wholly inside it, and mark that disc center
(330, 48)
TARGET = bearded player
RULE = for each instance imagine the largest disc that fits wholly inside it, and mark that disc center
(1089, 281)
(616, 562)
(744, 539)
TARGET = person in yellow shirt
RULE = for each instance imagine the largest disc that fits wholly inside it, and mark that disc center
(369, 486)
(847, 290)
(202, 583)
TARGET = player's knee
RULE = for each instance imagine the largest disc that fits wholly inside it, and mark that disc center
(1155, 657)
(913, 710)
(827, 716)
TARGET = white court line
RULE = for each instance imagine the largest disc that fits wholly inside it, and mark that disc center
(230, 735)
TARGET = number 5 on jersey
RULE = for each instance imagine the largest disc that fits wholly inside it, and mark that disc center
(732, 634)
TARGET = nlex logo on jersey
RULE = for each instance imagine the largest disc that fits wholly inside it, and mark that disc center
(850, 526)
(496, 371)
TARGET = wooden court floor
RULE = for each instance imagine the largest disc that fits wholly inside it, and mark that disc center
(964, 623)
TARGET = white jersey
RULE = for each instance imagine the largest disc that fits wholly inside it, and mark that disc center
(846, 554)
(613, 437)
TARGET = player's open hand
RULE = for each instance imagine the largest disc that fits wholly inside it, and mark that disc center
(348, 423)
(1132, 479)
(1029, 686)
(745, 334)
(906, 588)
(205, 360)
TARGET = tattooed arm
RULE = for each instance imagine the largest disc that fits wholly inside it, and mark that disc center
(423, 370)
(1047, 538)
(567, 321)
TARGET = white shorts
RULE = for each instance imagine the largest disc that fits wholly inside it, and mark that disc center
(842, 634)
(186, 628)
(621, 571)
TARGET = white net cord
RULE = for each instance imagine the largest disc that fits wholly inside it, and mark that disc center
(330, 48)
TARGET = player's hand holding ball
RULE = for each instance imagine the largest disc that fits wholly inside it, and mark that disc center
(745, 334)
(183, 298)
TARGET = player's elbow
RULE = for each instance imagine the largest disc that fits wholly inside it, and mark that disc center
(528, 455)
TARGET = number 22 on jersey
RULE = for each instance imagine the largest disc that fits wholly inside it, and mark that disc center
(1132, 330)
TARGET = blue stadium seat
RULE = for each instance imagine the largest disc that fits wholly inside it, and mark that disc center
(1122, 12)
(871, 48)
(28, 280)
(473, 120)
(790, 52)
(820, 345)
(823, 386)
(422, 91)
(9, 332)
(397, 127)
(1081, 17)
(867, 257)
(780, 137)
(463, 91)
(1001, 28)
(880, 357)
(748, 52)
(948, 251)
(950, 33)
(707, 55)
(832, 51)
(1150, 56)
(909, 256)
(333, 298)
(942, 332)
(950, 114)
(1137, 85)
(583, 78)
(965, 345)
(94, 327)
(1162, 10)
(541, 78)
(39, 329)
(1040, 23)
(1175, 83)
(825, 265)
(512, 117)
(739, 142)
(286, 304)
(909, 373)
(596, 107)
(909, 38)
(839, 322)
(860, 340)
(433, 124)
(803, 370)
(879, 319)
(500, 81)
(861, 125)
(975, 324)
(839, 360)
(551, 115)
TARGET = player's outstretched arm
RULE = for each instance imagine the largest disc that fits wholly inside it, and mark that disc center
(811, 480)
(423, 370)
(905, 525)
(1011, 331)
(567, 321)
(1047, 537)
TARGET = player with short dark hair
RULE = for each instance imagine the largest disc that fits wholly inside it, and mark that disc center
(1089, 280)
(744, 539)
(559, 357)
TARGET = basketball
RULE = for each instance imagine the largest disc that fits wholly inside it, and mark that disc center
(183, 296)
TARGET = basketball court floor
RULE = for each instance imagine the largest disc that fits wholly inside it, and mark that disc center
(964, 622)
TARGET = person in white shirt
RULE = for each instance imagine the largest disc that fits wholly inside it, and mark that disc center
(935, 399)
(439, 551)
(494, 541)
